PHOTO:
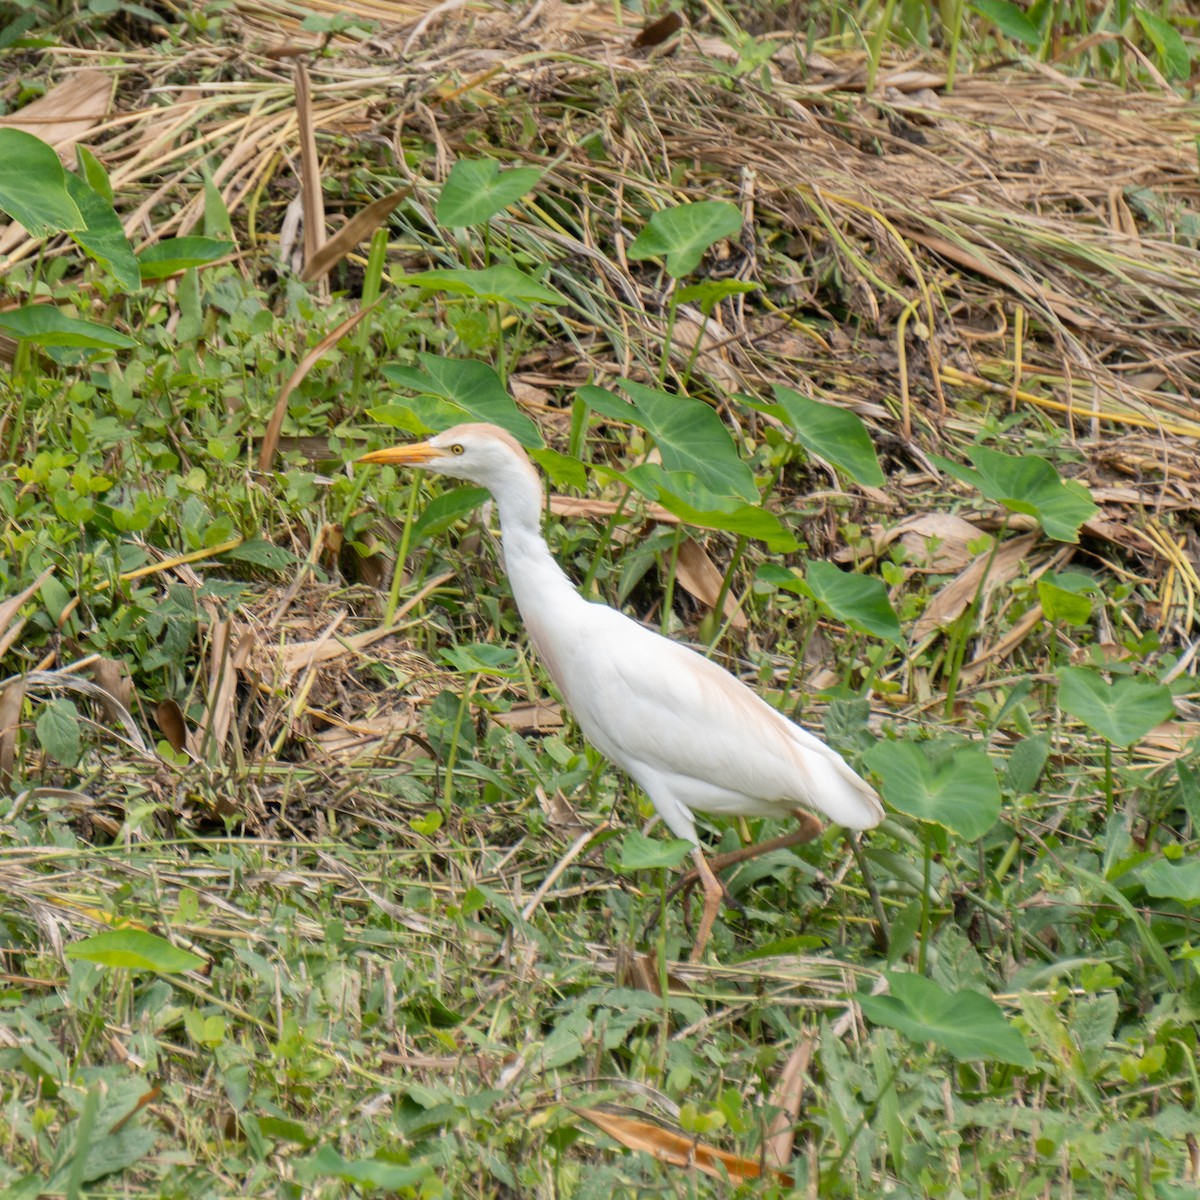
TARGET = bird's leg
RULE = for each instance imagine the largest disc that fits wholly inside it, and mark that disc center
(810, 828)
(713, 894)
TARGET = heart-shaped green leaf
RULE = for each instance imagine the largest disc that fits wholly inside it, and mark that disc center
(860, 601)
(476, 190)
(1121, 712)
(952, 785)
(445, 510)
(967, 1024)
(834, 434)
(1027, 484)
(683, 494)
(689, 435)
(640, 853)
(709, 293)
(33, 186)
(135, 949)
(682, 234)
(1172, 880)
(58, 731)
(1170, 47)
(499, 284)
(472, 389)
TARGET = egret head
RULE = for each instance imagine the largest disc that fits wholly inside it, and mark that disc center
(479, 453)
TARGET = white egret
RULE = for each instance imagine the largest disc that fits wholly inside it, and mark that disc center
(687, 732)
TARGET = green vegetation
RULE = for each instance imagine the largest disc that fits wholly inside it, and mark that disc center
(858, 353)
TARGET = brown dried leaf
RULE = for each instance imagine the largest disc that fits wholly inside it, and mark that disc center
(534, 717)
(310, 164)
(787, 1096)
(67, 111)
(168, 716)
(658, 31)
(11, 700)
(114, 679)
(587, 506)
(360, 227)
(699, 576)
(222, 687)
(951, 602)
(675, 1148)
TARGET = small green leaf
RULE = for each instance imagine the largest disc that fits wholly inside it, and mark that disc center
(136, 949)
(1121, 712)
(474, 390)
(172, 255)
(951, 784)
(968, 1025)
(861, 601)
(58, 731)
(711, 292)
(366, 1173)
(1010, 20)
(260, 553)
(834, 434)
(476, 189)
(1172, 881)
(33, 186)
(1171, 49)
(499, 284)
(1063, 604)
(640, 853)
(689, 435)
(1026, 762)
(1027, 484)
(45, 325)
(481, 658)
(683, 233)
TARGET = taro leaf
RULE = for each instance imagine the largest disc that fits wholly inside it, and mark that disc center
(682, 234)
(173, 255)
(365, 1173)
(1121, 712)
(952, 785)
(103, 236)
(640, 853)
(1010, 20)
(861, 601)
(485, 658)
(1172, 881)
(445, 510)
(967, 1024)
(711, 292)
(1026, 762)
(499, 284)
(834, 434)
(33, 186)
(1027, 484)
(1171, 48)
(136, 949)
(476, 189)
(683, 494)
(58, 731)
(45, 325)
(260, 553)
(1062, 598)
(689, 435)
(473, 388)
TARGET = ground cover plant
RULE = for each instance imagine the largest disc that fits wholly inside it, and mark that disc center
(857, 347)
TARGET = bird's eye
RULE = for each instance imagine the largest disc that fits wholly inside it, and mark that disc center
(457, 448)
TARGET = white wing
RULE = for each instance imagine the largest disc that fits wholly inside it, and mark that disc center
(689, 732)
